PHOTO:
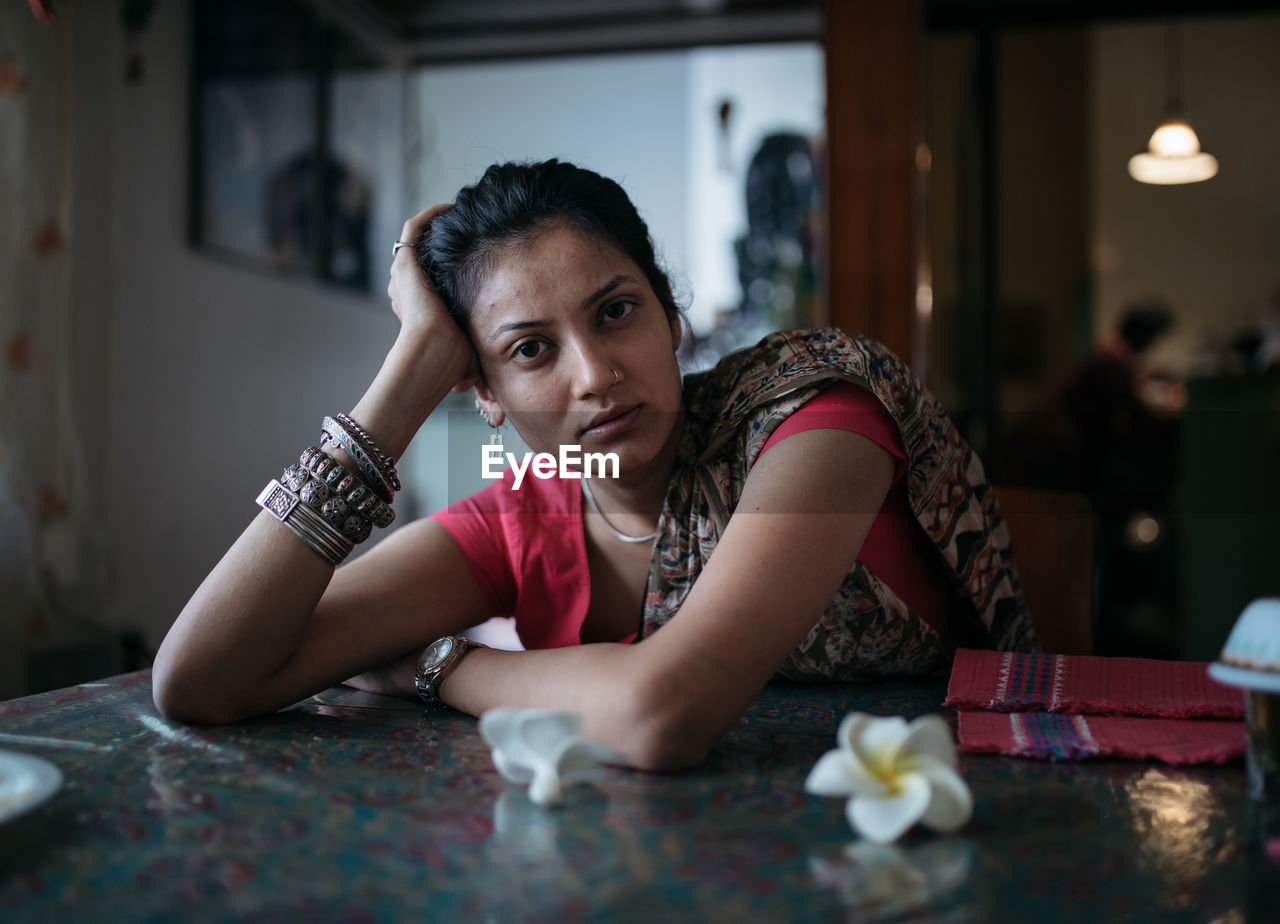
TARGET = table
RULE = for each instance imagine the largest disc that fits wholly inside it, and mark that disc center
(354, 807)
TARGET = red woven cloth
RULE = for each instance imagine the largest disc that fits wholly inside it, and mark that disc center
(1071, 707)
(1011, 682)
(1072, 737)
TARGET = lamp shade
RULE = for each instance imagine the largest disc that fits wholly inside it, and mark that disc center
(1173, 156)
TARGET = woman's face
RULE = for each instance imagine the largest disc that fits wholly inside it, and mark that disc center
(552, 322)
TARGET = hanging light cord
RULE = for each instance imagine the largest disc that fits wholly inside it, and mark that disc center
(1173, 69)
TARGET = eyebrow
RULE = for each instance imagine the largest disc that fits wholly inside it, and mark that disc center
(516, 325)
(605, 289)
(597, 295)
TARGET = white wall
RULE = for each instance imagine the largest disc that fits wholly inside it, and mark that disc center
(1214, 247)
(622, 116)
(216, 376)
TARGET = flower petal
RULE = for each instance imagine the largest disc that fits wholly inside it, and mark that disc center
(547, 733)
(930, 735)
(583, 761)
(498, 725)
(851, 727)
(831, 775)
(929, 767)
(500, 729)
(883, 819)
(952, 804)
(839, 773)
(877, 743)
(545, 788)
(513, 771)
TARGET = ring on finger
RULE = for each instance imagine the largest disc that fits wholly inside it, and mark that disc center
(397, 245)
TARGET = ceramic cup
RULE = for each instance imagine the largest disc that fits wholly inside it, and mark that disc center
(1251, 660)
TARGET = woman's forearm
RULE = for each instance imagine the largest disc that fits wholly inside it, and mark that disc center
(251, 615)
(256, 633)
(407, 388)
(623, 705)
(241, 626)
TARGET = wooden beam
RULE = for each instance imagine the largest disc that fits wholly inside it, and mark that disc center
(874, 202)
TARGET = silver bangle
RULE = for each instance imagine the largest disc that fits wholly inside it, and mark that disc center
(384, 462)
(305, 523)
(325, 544)
(377, 469)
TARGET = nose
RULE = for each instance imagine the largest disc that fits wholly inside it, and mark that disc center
(593, 373)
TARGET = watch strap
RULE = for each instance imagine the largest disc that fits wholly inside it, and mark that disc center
(427, 682)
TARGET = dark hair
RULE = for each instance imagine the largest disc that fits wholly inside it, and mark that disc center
(1145, 322)
(515, 202)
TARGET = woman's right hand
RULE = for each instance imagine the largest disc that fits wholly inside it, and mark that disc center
(421, 311)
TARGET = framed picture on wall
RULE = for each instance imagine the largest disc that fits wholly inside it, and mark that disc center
(296, 154)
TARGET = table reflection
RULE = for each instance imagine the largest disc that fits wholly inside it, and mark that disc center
(882, 883)
(1180, 824)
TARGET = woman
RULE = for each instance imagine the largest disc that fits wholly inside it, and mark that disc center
(539, 288)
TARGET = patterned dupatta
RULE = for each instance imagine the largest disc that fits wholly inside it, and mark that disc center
(866, 630)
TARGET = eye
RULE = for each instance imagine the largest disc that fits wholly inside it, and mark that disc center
(619, 310)
(529, 349)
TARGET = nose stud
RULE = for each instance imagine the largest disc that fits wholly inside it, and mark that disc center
(616, 379)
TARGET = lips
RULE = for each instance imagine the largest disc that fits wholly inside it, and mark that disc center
(608, 415)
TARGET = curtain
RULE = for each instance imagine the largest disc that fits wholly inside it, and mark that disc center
(52, 592)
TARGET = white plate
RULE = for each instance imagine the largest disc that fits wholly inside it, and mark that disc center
(25, 782)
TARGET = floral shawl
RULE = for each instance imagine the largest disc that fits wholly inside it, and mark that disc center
(866, 630)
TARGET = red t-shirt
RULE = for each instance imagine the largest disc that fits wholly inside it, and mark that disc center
(527, 549)
(896, 549)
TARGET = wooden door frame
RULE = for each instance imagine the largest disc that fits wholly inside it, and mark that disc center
(876, 265)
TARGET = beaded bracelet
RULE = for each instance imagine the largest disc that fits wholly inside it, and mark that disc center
(328, 478)
(306, 524)
(344, 485)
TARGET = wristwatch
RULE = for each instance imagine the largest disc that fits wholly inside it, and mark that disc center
(437, 661)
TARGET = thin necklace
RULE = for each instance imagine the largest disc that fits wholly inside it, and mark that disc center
(591, 499)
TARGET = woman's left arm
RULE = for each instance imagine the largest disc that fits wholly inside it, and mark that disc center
(805, 510)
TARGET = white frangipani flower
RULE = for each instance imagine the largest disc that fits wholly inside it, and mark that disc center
(894, 774)
(543, 749)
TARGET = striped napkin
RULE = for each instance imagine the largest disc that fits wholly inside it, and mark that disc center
(1071, 707)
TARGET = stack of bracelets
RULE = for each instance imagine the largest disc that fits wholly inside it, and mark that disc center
(328, 507)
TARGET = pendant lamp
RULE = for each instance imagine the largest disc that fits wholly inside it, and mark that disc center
(1173, 154)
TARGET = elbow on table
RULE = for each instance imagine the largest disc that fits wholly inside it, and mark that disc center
(180, 697)
(665, 734)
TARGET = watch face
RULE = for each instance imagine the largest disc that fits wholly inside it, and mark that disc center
(436, 653)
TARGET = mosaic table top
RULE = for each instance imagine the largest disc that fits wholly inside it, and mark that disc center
(353, 807)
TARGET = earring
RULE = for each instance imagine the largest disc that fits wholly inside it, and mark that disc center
(495, 438)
